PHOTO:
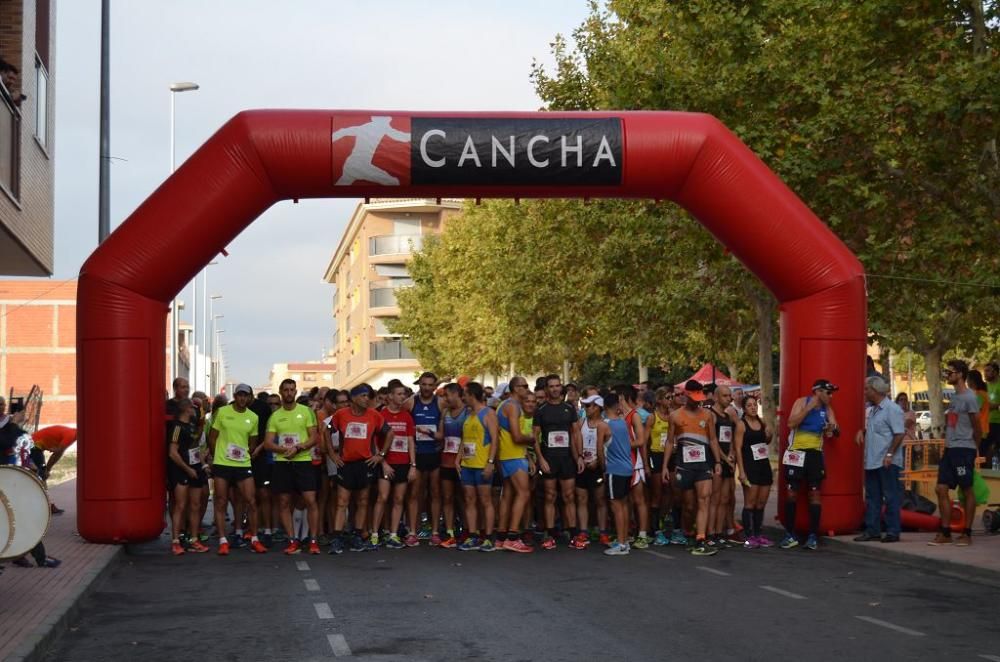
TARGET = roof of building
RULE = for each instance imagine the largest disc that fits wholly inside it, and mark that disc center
(311, 367)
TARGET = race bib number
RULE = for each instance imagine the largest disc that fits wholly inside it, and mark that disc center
(469, 450)
(314, 453)
(452, 444)
(759, 451)
(692, 454)
(663, 439)
(288, 440)
(236, 453)
(425, 433)
(794, 458)
(400, 444)
(725, 435)
(194, 456)
(356, 430)
(589, 455)
(558, 439)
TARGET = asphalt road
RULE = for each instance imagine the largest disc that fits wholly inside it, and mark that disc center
(432, 604)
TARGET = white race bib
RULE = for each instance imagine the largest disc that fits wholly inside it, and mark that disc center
(558, 439)
(425, 433)
(356, 430)
(314, 453)
(288, 440)
(693, 453)
(400, 444)
(663, 439)
(236, 453)
(794, 458)
(335, 440)
(194, 456)
(469, 450)
(452, 444)
(725, 435)
(759, 451)
(589, 455)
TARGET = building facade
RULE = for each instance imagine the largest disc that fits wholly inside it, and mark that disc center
(27, 137)
(367, 268)
(306, 375)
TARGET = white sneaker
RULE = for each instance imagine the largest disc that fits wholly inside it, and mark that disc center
(617, 549)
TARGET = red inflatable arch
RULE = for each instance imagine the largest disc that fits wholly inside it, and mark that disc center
(261, 157)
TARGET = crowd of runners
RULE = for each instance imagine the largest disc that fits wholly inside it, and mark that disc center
(463, 466)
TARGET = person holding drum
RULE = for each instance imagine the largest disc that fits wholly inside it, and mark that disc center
(185, 477)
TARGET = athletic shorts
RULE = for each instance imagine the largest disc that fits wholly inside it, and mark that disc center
(589, 480)
(232, 475)
(561, 466)
(263, 472)
(177, 476)
(672, 462)
(428, 461)
(956, 466)
(656, 462)
(449, 474)
(812, 471)
(758, 471)
(400, 473)
(293, 477)
(473, 477)
(511, 467)
(687, 475)
(727, 471)
(618, 486)
(355, 476)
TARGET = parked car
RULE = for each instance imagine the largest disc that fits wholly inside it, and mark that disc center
(924, 421)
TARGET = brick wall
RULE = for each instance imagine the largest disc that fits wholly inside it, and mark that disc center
(30, 218)
(38, 344)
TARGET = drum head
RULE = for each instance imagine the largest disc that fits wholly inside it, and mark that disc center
(25, 511)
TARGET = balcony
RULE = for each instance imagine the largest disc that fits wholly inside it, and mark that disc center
(388, 350)
(10, 146)
(382, 297)
(393, 244)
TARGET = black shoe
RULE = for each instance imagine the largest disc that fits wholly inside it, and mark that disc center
(890, 538)
(867, 537)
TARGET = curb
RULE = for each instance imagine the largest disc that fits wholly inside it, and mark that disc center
(48, 630)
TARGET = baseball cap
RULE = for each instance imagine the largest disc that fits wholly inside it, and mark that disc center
(593, 400)
(693, 389)
(826, 385)
(502, 389)
(243, 388)
(426, 375)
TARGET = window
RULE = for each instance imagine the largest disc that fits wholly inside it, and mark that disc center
(394, 244)
(41, 103)
(387, 350)
(327, 376)
(382, 297)
(406, 227)
(381, 327)
(10, 146)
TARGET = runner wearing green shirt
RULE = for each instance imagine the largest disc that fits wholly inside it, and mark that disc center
(291, 433)
(231, 440)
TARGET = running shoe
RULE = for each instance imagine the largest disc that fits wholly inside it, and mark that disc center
(435, 540)
(734, 538)
(411, 540)
(701, 548)
(449, 543)
(377, 540)
(323, 539)
(678, 538)
(257, 548)
(313, 547)
(764, 542)
(294, 547)
(660, 539)
(177, 549)
(279, 536)
(487, 546)
(617, 549)
(267, 539)
(641, 542)
(788, 542)
(549, 543)
(518, 546)
(393, 542)
(55, 510)
(595, 534)
(223, 549)
(425, 532)
(50, 562)
(197, 547)
(238, 542)
(470, 545)
(604, 539)
(336, 546)
(811, 542)
(203, 536)
(963, 540)
(751, 543)
(579, 542)
(941, 539)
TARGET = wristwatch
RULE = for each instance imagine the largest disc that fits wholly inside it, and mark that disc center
(490, 461)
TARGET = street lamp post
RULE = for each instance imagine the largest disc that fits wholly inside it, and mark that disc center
(213, 381)
(174, 322)
(218, 345)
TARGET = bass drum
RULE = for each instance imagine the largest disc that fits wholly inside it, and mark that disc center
(24, 511)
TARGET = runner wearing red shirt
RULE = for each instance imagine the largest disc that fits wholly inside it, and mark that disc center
(398, 470)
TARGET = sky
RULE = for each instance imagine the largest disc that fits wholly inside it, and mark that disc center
(384, 54)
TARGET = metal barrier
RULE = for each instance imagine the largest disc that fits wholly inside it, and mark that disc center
(921, 458)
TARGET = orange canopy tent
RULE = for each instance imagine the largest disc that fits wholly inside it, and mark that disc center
(705, 374)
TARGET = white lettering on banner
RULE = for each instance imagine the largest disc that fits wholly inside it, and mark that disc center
(434, 163)
(451, 444)
(469, 152)
(531, 154)
(694, 453)
(578, 149)
(604, 152)
(794, 458)
(508, 154)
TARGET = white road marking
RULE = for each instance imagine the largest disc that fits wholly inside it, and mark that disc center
(660, 554)
(891, 626)
(323, 611)
(311, 584)
(339, 645)
(787, 594)
(992, 658)
(302, 566)
(721, 573)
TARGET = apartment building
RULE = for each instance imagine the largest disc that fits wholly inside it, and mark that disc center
(306, 375)
(367, 268)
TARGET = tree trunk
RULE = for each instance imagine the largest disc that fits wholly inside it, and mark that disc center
(764, 303)
(932, 359)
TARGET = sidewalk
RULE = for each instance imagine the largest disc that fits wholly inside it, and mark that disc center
(36, 604)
